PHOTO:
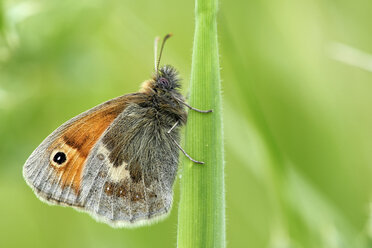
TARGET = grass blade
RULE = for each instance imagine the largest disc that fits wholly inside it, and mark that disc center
(202, 205)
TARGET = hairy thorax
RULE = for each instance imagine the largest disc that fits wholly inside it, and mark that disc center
(163, 103)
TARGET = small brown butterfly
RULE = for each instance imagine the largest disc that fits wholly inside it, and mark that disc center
(118, 160)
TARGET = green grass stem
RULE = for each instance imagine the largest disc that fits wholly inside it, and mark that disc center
(202, 205)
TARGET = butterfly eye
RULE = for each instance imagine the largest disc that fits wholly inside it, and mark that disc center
(59, 158)
(164, 81)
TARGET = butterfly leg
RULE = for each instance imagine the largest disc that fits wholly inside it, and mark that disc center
(175, 125)
(187, 155)
(179, 147)
(195, 109)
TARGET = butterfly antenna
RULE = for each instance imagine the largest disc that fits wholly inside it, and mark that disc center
(161, 52)
(156, 44)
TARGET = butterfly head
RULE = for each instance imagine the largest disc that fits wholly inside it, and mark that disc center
(167, 78)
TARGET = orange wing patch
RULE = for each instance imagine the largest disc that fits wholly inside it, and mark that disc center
(70, 151)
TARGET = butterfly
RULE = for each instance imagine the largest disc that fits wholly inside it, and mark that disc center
(117, 161)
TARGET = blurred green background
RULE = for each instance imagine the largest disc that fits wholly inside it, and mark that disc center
(297, 83)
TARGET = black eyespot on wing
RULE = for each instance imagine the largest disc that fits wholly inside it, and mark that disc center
(59, 158)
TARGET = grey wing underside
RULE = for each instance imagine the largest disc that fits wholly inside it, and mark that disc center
(109, 193)
(111, 196)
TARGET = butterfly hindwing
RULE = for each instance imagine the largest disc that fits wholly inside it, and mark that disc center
(128, 169)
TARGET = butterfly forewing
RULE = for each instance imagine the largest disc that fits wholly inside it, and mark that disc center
(106, 161)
